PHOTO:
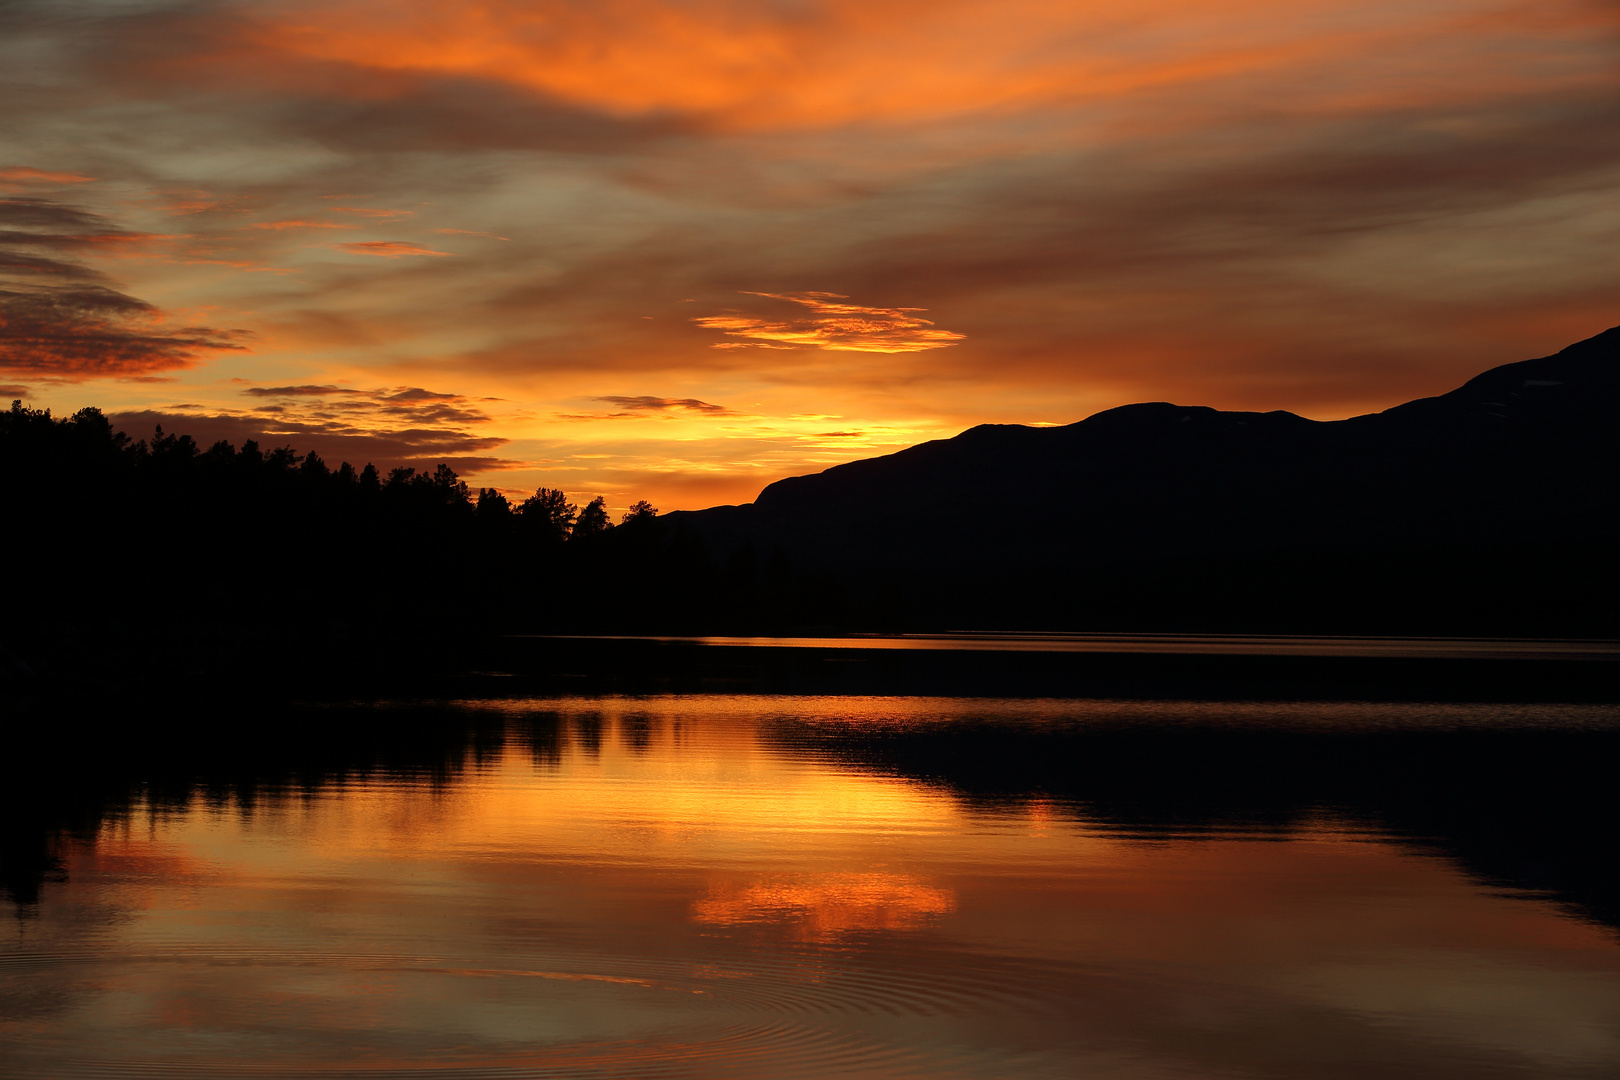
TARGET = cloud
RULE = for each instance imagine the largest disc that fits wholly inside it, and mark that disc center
(387, 427)
(416, 393)
(352, 411)
(280, 226)
(9, 390)
(93, 332)
(388, 249)
(20, 175)
(384, 448)
(830, 65)
(33, 213)
(63, 320)
(298, 391)
(472, 232)
(835, 326)
(643, 404)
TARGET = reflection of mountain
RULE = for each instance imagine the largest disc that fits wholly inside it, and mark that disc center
(1521, 796)
(1523, 806)
(1490, 506)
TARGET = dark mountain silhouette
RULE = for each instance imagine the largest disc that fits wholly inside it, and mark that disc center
(1490, 508)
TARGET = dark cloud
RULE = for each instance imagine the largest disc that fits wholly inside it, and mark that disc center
(9, 390)
(352, 411)
(220, 55)
(335, 441)
(416, 393)
(39, 266)
(91, 332)
(399, 423)
(298, 391)
(63, 320)
(33, 213)
(660, 404)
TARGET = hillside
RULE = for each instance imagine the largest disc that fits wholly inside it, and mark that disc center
(1157, 511)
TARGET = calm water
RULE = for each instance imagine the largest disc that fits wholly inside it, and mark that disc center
(780, 887)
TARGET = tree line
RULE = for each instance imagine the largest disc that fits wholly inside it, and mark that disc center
(119, 543)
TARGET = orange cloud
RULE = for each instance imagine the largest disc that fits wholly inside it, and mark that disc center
(22, 174)
(388, 249)
(751, 66)
(834, 326)
(278, 226)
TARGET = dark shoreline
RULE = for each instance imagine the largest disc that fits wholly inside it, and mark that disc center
(1528, 803)
(130, 670)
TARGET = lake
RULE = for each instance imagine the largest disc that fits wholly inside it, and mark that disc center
(741, 885)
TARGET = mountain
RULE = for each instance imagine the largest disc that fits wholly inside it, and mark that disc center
(1491, 507)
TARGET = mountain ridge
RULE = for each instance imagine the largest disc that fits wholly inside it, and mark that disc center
(1524, 457)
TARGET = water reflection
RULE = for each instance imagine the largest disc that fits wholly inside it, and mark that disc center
(810, 887)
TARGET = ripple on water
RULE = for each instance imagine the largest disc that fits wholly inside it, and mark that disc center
(768, 1014)
(777, 1050)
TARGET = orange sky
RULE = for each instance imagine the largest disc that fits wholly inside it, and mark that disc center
(676, 250)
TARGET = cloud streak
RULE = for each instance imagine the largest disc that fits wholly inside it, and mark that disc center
(834, 326)
(645, 404)
(386, 427)
(64, 320)
(21, 175)
(388, 249)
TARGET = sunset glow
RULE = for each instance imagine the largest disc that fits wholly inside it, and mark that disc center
(678, 249)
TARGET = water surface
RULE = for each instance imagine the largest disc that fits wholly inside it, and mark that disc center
(778, 887)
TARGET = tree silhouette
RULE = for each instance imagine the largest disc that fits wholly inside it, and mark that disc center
(493, 506)
(593, 520)
(640, 510)
(547, 514)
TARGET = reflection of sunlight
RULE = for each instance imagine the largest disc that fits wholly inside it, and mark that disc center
(828, 904)
(628, 867)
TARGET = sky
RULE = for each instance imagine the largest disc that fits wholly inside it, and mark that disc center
(677, 249)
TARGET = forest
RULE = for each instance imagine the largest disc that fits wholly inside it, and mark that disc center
(129, 556)
(129, 552)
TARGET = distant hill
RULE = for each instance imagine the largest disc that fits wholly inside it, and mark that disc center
(1495, 507)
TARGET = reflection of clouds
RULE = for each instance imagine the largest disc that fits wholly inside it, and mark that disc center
(497, 917)
(1556, 1018)
(825, 905)
(834, 326)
